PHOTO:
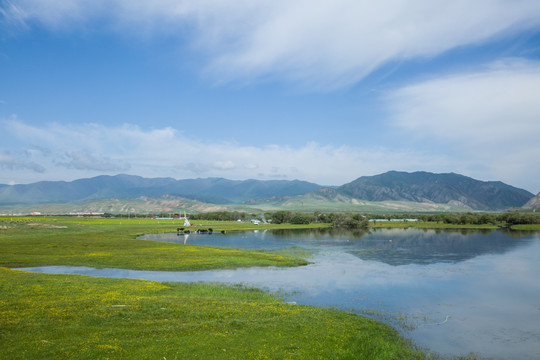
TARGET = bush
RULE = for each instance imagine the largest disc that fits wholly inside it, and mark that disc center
(299, 219)
(351, 221)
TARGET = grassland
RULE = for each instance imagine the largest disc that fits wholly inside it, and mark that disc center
(76, 317)
(170, 204)
(112, 243)
(141, 205)
(527, 227)
(45, 316)
(311, 202)
(430, 225)
(441, 225)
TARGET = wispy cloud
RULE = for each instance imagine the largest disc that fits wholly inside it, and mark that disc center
(83, 160)
(326, 44)
(489, 118)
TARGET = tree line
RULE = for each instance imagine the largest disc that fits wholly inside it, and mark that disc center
(352, 220)
(359, 220)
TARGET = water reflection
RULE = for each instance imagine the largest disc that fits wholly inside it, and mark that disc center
(391, 246)
(401, 247)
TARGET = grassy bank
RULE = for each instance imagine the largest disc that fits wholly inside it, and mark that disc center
(68, 316)
(112, 243)
(442, 225)
(527, 227)
(429, 225)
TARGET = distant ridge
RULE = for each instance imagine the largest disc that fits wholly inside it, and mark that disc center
(212, 190)
(447, 188)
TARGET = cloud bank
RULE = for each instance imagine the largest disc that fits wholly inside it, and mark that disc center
(89, 149)
(325, 44)
(489, 118)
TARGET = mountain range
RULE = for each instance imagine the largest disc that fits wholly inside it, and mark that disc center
(451, 190)
(210, 190)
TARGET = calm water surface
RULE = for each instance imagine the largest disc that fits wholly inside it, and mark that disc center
(451, 292)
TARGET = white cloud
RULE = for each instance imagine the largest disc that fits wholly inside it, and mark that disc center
(328, 43)
(89, 149)
(488, 118)
(224, 165)
(169, 152)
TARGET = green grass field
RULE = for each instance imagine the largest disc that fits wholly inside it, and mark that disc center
(430, 225)
(77, 317)
(112, 243)
(44, 316)
(441, 225)
(310, 203)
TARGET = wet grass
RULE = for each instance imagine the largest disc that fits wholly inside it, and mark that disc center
(112, 243)
(69, 316)
(429, 225)
(442, 225)
(527, 227)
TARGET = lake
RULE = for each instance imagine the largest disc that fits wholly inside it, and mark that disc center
(453, 292)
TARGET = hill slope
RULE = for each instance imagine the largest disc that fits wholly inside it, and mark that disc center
(534, 203)
(437, 188)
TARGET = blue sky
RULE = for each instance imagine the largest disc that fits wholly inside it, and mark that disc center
(322, 91)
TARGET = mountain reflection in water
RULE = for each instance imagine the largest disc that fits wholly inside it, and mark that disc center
(392, 246)
(431, 247)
